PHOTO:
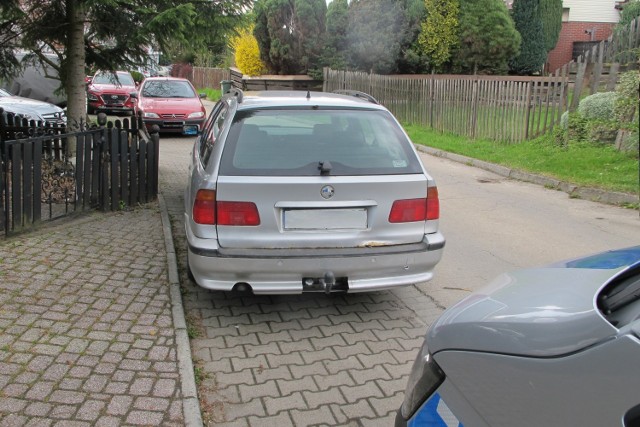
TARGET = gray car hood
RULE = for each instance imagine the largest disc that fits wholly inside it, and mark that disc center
(541, 312)
(18, 104)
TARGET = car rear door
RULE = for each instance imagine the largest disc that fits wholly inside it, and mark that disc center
(322, 179)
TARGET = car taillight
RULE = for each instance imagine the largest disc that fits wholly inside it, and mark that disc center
(208, 211)
(238, 213)
(409, 210)
(433, 203)
(412, 210)
(204, 207)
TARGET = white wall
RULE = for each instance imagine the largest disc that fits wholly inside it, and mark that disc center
(592, 10)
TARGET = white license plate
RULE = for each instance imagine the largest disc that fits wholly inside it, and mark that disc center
(325, 219)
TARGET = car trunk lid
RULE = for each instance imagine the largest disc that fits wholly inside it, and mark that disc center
(321, 211)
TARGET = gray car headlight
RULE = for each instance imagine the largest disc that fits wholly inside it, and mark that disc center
(426, 376)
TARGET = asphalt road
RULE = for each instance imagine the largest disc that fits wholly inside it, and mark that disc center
(317, 360)
(493, 224)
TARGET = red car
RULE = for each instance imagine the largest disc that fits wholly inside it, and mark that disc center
(111, 93)
(171, 103)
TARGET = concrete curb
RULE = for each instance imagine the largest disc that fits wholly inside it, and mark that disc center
(592, 194)
(190, 402)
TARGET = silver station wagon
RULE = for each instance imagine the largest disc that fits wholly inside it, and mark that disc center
(296, 191)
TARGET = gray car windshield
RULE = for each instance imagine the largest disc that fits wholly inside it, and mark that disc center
(307, 142)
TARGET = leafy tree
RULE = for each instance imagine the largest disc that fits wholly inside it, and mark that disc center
(8, 39)
(488, 38)
(247, 54)
(628, 51)
(533, 53)
(630, 11)
(375, 34)
(551, 16)
(335, 48)
(290, 34)
(439, 33)
(108, 35)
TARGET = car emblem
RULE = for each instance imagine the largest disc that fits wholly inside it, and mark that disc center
(114, 96)
(327, 192)
(173, 116)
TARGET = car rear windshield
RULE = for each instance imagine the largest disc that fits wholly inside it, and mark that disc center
(167, 89)
(314, 141)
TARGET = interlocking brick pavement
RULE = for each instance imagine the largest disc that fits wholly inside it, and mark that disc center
(89, 335)
(307, 360)
(86, 330)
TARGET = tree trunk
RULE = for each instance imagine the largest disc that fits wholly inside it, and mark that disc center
(74, 65)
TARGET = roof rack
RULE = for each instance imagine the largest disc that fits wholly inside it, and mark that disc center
(234, 91)
(358, 94)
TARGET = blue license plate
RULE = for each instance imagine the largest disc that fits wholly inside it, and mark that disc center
(190, 130)
(434, 413)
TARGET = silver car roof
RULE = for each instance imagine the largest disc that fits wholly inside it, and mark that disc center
(267, 99)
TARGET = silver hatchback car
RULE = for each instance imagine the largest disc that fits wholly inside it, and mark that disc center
(293, 192)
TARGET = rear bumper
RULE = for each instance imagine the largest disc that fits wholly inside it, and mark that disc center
(283, 271)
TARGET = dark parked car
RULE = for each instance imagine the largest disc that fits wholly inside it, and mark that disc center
(551, 346)
(32, 109)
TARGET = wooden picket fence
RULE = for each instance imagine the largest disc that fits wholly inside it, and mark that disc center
(506, 108)
(202, 77)
(114, 166)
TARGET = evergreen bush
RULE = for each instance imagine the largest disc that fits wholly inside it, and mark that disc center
(626, 104)
(599, 106)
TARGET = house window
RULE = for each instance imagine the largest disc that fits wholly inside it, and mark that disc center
(565, 14)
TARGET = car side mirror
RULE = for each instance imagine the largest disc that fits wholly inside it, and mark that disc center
(133, 94)
(202, 95)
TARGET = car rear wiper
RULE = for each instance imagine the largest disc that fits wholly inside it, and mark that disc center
(325, 167)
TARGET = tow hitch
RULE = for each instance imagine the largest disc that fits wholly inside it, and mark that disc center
(328, 283)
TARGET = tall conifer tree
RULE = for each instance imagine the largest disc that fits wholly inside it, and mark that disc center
(551, 15)
(533, 54)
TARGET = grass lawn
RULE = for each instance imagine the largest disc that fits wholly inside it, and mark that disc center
(586, 165)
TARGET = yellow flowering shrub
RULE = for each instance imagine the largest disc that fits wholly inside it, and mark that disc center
(246, 52)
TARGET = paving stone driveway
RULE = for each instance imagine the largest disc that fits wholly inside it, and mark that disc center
(295, 360)
(86, 329)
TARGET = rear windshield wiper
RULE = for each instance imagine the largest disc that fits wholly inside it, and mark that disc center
(325, 167)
